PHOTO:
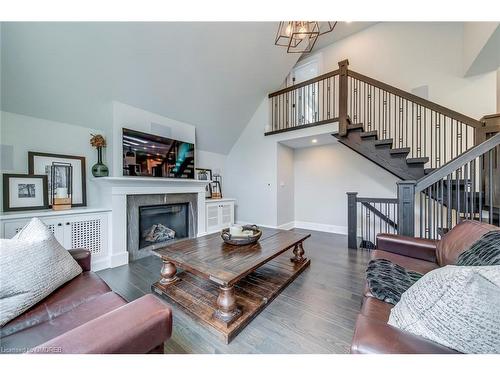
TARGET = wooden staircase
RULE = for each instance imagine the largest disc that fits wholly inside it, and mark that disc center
(448, 162)
(382, 152)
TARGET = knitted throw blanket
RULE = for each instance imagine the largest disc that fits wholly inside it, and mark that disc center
(388, 281)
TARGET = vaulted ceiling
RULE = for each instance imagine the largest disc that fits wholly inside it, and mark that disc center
(211, 75)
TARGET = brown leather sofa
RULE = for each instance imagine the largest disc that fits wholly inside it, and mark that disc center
(372, 333)
(85, 316)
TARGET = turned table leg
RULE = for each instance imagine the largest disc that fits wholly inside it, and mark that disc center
(168, 273)
(298, 252)
(227, 310)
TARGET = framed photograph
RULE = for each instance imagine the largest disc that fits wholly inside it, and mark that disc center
(25, 192)
(41, 163)
(203, 174)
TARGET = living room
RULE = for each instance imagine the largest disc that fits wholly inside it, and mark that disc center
(188, 185)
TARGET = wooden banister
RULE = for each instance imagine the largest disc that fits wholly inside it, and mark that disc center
(417, 99)
(305, 83)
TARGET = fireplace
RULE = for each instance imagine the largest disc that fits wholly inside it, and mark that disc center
(164, 223)
(155, 220)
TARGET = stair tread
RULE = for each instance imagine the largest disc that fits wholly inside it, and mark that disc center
(373, 133)
(402, 150)
(421, 160)
(384, 142)
(355, 126)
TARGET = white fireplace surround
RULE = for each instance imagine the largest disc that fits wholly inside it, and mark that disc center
(114, 192)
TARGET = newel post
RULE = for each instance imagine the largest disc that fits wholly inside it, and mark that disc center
(343, 94)
(406, 208)
(352, 221)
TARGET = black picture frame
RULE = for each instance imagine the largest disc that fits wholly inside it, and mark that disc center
(7, 207)
(32, 155)
(209, 172)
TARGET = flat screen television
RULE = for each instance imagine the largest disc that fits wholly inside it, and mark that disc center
(150, 155)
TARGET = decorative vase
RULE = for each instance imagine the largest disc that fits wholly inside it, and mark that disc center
(100, 169)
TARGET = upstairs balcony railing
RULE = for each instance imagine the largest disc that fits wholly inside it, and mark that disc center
(349, 97)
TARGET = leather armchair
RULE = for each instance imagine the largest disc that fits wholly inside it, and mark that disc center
(85, 316)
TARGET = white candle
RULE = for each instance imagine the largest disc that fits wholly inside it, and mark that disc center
(235, 230)
(61, 193)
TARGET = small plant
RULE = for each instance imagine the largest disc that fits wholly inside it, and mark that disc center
(97, 141)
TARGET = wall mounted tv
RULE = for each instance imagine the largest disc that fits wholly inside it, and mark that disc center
(150, 155)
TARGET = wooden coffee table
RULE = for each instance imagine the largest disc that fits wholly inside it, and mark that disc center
(225, 286)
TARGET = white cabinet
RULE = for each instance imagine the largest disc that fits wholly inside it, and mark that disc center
(87, 230)
(219, 214)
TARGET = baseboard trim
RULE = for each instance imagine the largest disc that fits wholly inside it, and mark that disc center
(287, 226)
(338, 229)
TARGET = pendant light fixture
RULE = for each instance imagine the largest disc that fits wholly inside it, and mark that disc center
(300, 36)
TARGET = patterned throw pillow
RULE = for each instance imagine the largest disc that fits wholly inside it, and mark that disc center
(484, 252)
(455, 306)
(32, 265)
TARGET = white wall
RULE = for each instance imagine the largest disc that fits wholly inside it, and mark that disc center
(323, 175)
(412, 54)
(285, 186)
(26, 133)
(251, 172)
(406, 55)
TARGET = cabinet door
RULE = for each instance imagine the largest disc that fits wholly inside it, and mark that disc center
(55, 225)
(212, 213)
(226, 214)
(87, 232)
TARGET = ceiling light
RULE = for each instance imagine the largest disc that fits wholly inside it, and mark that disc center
(314, 140)
(300, 36)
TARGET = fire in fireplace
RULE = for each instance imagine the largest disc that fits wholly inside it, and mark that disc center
(163, 223)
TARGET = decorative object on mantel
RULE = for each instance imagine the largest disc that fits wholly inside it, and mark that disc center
(300, 36)
(41, 163)
(216, 190)
(99, 169)
(204, 174)
(61, 181)
(24, 192)
(218, 178)
(241, 235)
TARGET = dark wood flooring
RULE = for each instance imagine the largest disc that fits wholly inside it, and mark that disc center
(314, 314)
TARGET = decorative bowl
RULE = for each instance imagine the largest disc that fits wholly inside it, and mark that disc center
(242, 240)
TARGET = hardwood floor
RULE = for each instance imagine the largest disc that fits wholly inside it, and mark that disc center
(314, 314)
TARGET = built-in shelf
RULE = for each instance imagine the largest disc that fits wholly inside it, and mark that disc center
(45, 213)
(211, 200)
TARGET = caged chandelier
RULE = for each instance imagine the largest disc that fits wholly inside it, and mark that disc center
(300, 36)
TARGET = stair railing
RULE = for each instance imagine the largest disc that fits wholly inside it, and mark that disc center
(346, 96)
(411, 121)
(367, 217)
(465, 188)
(309, 103)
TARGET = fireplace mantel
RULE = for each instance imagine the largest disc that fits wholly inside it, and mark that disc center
(114, 191)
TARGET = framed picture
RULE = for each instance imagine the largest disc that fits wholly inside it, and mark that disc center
(24, 192)
(203, 174)
(41, 163)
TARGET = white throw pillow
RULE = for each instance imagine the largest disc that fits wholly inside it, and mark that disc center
(456, 306)
(32, 265)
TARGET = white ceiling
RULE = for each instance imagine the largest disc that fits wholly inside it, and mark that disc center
(311, 140)
(211, 75)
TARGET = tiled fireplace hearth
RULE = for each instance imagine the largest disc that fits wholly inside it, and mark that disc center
(153, 220)
(125, 196)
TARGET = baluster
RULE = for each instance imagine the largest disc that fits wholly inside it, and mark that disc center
(490, 184)
(481, 186)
